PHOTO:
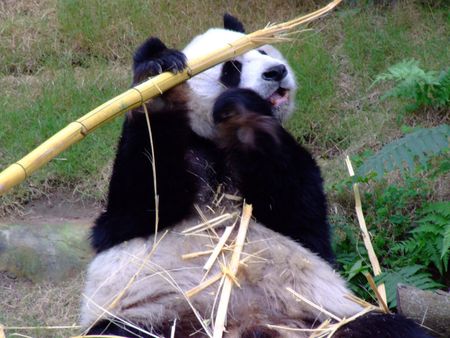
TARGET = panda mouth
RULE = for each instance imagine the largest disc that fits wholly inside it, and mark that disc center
(279, 97)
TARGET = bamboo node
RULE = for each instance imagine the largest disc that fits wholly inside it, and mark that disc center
(84, 131)
(140, 94)
(23, 168)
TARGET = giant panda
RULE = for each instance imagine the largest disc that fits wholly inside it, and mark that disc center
(218, 140)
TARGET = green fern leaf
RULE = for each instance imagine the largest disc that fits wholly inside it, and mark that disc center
(419, 145)
(404, 247)
(443, 91)
(411, 275)
(434, 230)
(445, 242)
(441, 208)
(422, 88)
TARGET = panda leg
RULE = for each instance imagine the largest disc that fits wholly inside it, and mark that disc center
(108, 328)
(273, 172)
(376, 325)
(131, 206)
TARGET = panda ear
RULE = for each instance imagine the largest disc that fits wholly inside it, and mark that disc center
(233, 24)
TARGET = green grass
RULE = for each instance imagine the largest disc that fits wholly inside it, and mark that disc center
(59, 59)
(376, 39)
(35, 108)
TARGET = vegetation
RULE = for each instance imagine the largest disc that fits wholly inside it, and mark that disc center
(423, 88)
(411, 235)
(59, 59)
(403, 152)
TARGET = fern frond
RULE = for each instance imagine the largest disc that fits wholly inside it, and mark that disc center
(423, 88)
(443, 91)
(419, 145)
(440, 208)
(404, 247)
(411, 275)
(434, 232)
(445, 242)
(401, 71)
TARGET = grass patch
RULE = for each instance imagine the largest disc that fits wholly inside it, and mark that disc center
(316, 99)
(376, 38)
(60, 59)
(27, 304)
(35, 107)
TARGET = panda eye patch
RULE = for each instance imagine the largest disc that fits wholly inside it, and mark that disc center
(231, 74)
(262, 52)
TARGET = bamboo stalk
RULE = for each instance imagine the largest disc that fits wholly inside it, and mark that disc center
(203, 285)
(136, 96)
(314, 305)
(218, 248)
(221, 316)
(366, 237)
(381, 301)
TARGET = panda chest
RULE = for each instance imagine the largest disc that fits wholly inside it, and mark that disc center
(215, 187)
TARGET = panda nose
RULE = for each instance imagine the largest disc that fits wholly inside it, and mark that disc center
(275, 73)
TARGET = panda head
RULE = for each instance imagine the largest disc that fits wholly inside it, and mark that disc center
(263, 70)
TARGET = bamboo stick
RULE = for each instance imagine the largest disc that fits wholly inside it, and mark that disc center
(218, 248)
(221, 316)
(136, 96)
(366, 237)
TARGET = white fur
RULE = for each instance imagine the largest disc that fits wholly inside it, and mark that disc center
(206, 86)
(153, 299)
(157, 294)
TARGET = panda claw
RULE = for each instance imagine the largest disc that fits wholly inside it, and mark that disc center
(154, 58)
(178, 62)
(154, 67)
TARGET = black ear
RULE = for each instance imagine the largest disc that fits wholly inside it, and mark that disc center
(233, 24)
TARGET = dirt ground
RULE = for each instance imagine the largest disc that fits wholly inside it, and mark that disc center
(42, 305)
(57, 208)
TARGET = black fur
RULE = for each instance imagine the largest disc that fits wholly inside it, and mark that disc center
(153, 58)
(184, 328)
(233, 24)
(130, 211)
(266, 164)
(239, 101)
(105, 327)
(272, 171)
(231, 74)
(377, 325)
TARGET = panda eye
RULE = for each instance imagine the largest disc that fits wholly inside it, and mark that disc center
(262, 52)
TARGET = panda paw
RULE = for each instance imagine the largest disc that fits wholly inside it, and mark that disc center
(243, 118)
(239, 101)
(153, 58)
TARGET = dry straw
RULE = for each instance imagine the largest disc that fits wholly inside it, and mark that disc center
(221, 316)
(380, 291)
(136, 96)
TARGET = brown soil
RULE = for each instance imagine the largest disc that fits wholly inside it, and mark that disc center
(57, 208)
